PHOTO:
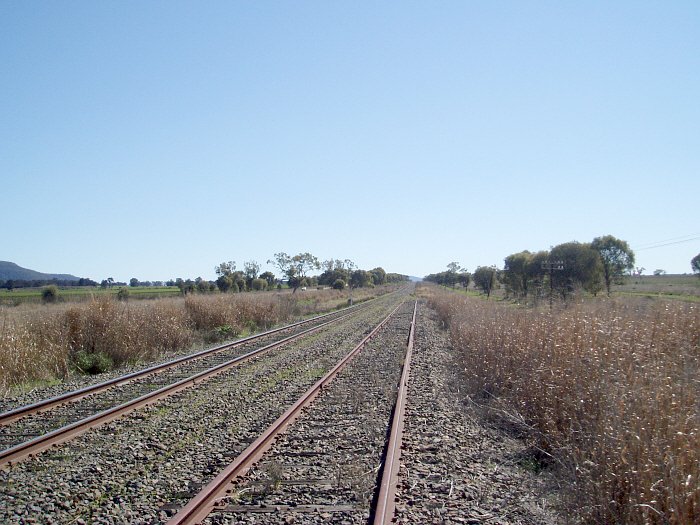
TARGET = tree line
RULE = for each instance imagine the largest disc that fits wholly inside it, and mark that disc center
(11, 284)
(295, 272)
(567, 267)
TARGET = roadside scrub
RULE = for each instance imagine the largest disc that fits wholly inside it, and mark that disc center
(608, 392)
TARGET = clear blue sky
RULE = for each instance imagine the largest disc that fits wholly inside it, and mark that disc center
(157, 139)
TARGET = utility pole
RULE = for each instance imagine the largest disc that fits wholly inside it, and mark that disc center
(551, 266)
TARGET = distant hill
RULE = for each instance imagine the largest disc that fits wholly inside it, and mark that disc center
(10, 270)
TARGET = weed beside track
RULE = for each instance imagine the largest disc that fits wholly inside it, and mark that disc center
(608, 391)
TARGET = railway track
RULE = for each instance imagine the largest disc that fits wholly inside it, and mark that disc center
(336, 461)
(138, 468)
(327, 457)
(27, 430)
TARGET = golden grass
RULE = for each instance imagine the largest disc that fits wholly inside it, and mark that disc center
(40, 343)
(610, 388)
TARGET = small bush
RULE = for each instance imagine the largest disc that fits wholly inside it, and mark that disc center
(339, 284)
(49, 294)
(123, 294)
(92, 363)
(259, 285)
(221, 333)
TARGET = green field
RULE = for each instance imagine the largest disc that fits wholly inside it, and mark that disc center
(683, 287)
(78, 293)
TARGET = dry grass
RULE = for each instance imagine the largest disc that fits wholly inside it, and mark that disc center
(609, 389)
(42, 343)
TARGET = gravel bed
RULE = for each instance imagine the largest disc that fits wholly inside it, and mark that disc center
(324, 469)
(139, 468)
(453, 468)
(78, 381)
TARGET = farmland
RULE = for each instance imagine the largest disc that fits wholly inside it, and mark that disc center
(84, 293)
(683, 287)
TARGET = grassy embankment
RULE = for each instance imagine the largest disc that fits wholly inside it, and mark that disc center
(45, 343)
(607, 390)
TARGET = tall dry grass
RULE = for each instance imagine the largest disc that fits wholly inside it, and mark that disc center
(609, 389)
(40, 343)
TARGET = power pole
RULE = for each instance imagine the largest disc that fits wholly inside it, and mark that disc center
(551, 266)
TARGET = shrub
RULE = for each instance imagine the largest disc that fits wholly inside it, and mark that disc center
(49, 294)
(221, 333)
(92, 363)
(123, 294)
(339, 284)
(259, 284)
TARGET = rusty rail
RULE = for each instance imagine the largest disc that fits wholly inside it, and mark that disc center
(61, 435)
(208, 498)
(75, 395)
(386, 498)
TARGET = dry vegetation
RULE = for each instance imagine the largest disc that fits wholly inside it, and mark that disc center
(44, 343)
(609, 392)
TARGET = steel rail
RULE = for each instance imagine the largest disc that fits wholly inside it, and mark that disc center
(208, 498)
(66, 433)
(69, 397)
(386, 498)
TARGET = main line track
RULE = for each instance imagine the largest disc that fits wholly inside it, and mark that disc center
(27, 430)
(307, 461)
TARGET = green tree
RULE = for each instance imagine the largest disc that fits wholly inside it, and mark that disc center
(463, 278)
(339, 284)
(201, 284)
(582, 267)
(616, 257)
(360, 279)
(269, 277)
(515, 275)
(225, 271)
(295, 268)
(225, 268)
(451, 277)
(133, 282)
(695, 264)
(224, 283)
(485, 279)
(335, 269)
(536, 273)
(378, 275)
(251, 269)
